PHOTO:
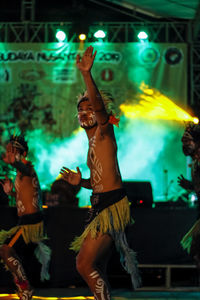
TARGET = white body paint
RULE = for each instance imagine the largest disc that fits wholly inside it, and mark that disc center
(96, 170)
(100, 288)
(89, 121)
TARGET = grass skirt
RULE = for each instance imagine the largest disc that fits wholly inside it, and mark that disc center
(32, 233)
(191, 241)
(113, 220)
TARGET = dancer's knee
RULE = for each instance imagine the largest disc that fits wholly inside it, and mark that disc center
(80, 264)
(5, 250)
(83, 265)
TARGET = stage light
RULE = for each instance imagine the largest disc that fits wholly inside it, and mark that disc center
(60, 35)
(196, 120)
(99, 34)
(82, 37)
(142, 35)
(155, 105)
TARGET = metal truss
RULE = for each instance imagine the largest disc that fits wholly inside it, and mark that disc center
(117, 32)
(162, 32)
(194, 71)
(121, 32)
(27, 10)
(31, 32)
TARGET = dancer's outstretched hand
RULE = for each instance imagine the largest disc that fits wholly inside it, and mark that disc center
(184, 183)
(85, 63)
(7, 185)
(70, 176)
(9, 156)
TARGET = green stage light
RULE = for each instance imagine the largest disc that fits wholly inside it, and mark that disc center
(99, 34)
(142, 35)
(60, 35)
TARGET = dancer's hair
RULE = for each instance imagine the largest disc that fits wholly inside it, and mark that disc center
(19, 142)
(106, 97)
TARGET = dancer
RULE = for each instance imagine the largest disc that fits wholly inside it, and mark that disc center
(29, 229)
(110, 211)
(191, 147)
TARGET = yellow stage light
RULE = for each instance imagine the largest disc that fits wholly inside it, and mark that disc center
(14, 296)
(82, 37)
(154, 105)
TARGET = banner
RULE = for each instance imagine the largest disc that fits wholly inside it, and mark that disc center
(40, 82)
(39, 86)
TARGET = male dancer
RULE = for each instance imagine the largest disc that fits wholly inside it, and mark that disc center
(191, 147)
(29, 229)
(110, 212)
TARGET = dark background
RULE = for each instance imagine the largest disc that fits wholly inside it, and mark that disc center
(155, 237)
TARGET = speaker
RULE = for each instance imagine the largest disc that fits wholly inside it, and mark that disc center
(139, 193)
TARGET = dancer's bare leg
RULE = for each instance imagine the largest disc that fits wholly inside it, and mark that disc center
(103, 264)
(13, 263)
(92, 252)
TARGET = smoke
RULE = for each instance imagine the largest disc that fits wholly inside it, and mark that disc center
(146, 149)
(50, 154)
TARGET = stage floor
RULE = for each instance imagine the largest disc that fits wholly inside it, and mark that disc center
(117, 294)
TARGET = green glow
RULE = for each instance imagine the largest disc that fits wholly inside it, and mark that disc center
(145, 147)
(142, 35)
(99, 34)
(50, 155)
(145, 150)
(60, 35)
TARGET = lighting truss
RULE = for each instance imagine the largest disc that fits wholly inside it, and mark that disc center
(117, 32)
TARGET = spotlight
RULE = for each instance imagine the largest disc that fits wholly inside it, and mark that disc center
(82, 37)
(60, 35)
(142, 35)
(99, 34)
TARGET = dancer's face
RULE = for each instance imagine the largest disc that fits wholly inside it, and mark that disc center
(86, 115)
(188, 144)
(189, 149)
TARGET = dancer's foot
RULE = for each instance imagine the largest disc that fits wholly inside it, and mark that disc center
(25, 295)
(24, 290)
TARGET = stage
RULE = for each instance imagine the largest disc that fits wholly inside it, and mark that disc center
(167, 271)
(118, 294)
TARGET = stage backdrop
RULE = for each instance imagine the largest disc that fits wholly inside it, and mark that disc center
(39, 85)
